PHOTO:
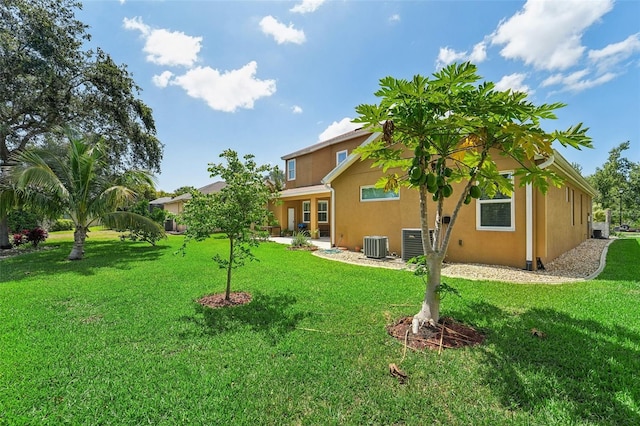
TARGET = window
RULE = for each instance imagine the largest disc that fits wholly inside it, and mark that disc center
(291, 169)
(371, 193)
(497, 213)
(341, 156)
(323, 211)
(306, 211)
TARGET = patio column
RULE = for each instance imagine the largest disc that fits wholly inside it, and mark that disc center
(313, 222)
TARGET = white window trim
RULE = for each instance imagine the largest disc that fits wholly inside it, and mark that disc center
(346, 154)
(291, 161)
(512, 200)
(326, 211)
(306, 203)
(376, 199)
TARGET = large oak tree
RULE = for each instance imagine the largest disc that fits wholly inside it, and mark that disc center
(49, 79)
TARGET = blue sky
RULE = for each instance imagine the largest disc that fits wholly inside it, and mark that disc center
(271, 77)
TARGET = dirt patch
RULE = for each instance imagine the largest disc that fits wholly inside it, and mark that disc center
(448, 334)
(215, 301)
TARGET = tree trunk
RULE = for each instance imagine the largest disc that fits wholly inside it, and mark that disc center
(4, 234)
(79, 235)
(430, 312)
(227, 294)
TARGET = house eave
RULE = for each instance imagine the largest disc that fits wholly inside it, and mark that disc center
(352, 158)
(341, 138)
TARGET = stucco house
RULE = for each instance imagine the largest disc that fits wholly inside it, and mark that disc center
(175, 205)
(332, 189)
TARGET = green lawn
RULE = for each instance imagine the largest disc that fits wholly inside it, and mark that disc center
(117, 339)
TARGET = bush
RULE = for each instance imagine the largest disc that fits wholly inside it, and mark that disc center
(34, 236)
(22, 219)
(61, 225)
(300, 239)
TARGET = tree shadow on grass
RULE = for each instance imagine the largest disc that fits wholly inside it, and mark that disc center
(98, 254)
(579, 371)
(270, 315)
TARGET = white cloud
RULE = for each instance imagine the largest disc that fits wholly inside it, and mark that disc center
(338, 128)
(577, 81)
(448, 56)
(226, 91)
(296, 109)
(547, 34)
(163, 79)
(515, 82)
(280, 32)
(166, 47)
(394, 18)
(306, 6)
(608, 57)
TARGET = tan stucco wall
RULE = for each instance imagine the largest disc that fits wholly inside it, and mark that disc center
(564, 229)
(552, 237)
(312, 167)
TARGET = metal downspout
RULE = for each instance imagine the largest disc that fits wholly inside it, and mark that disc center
(333, 213)
(529, 217)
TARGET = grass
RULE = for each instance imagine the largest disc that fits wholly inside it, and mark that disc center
(117, 339)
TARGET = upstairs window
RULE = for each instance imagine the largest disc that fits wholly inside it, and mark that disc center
(497, 213)
(291, 169)
(341, 156)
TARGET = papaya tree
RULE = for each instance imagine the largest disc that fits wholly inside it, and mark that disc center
(445, 132)
(237, 211)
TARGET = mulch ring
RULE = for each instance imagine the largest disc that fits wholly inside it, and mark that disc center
(448, 334)
(218, 301)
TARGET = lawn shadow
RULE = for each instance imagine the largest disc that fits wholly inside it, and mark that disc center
(578, 371)
(52, 259)
(269, 315)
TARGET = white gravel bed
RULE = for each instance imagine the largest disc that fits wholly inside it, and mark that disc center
(582, 263)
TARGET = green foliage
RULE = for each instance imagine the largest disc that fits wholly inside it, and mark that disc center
(149, 234)
(20, 219)
(50, 80)
(61, 225)
(300, 239)
(237, 211)
(618, 185)
(80, 187)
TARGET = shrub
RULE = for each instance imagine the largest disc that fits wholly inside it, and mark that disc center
(22, 219)
(61, 225)
(300, 239)
(34, 236)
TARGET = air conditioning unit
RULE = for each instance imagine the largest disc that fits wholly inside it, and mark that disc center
(376, 247)
(412, 243)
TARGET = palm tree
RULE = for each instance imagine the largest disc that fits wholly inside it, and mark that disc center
(80, 185)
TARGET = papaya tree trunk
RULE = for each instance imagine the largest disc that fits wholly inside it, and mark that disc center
(79, 236)
(430, 312)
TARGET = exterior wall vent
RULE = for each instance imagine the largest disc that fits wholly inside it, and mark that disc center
(375, 247)
(412, 242)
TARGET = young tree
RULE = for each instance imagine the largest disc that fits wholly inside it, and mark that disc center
(235, 211)
(447, 130)
(81, 186)
(49, 80)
